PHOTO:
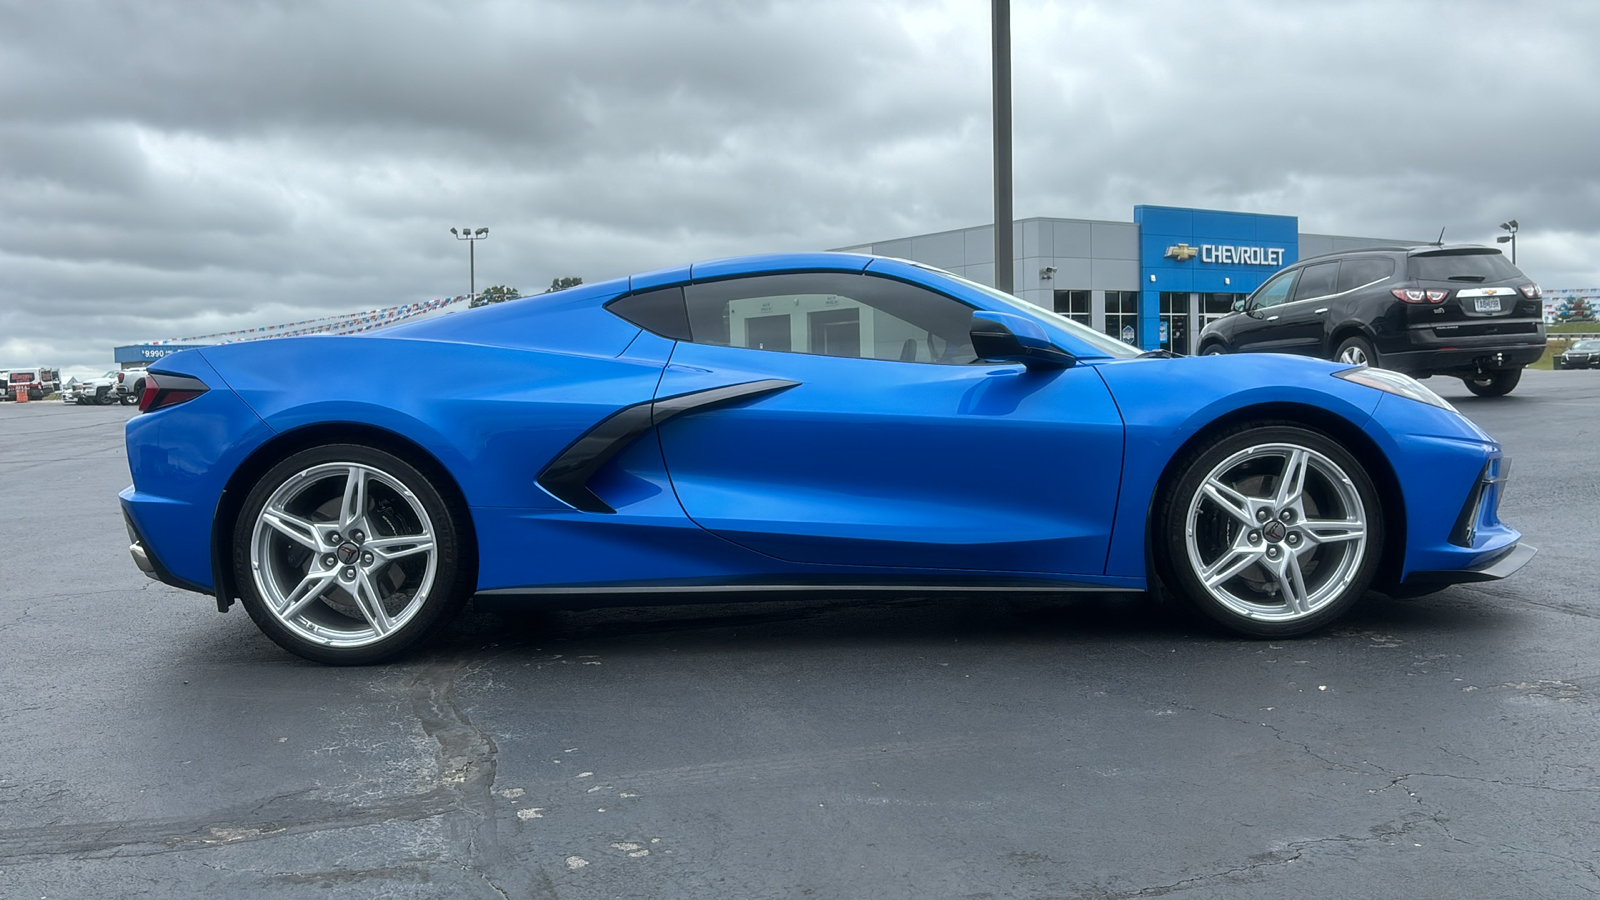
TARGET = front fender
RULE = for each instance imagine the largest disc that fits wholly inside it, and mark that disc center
(1167, 402)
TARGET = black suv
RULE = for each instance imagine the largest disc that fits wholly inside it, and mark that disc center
(1432, 310)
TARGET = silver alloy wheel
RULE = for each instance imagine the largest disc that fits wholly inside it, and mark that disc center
(1354, 355)
(343, 554)
(1276, 532)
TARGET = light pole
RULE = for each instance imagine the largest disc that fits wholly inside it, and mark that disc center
(1510, 226)
(1000, 36)
(471, 237)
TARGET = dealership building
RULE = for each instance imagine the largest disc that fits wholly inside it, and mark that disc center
(1154, 282)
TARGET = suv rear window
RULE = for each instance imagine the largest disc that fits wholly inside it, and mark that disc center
(1474, 267)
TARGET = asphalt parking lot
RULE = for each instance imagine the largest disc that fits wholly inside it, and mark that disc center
(916, 748)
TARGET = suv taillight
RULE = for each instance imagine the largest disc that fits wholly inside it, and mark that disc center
(169, 391)
(1417, 295)
(1532, 291)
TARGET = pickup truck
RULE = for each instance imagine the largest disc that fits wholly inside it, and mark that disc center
(92, 391)
(130, 385)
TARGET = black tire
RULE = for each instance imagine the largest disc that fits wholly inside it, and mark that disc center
(1493, 384)
(1357, 351)
(1282, 575)
(1213, 349)
(395, 576)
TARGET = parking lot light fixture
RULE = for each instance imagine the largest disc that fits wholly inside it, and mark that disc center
(471, 237)
(1509, 226)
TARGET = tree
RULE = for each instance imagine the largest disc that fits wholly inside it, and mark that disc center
(497, 294)
(564, 282)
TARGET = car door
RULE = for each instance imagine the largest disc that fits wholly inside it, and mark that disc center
(878, 439)
(1300, 322)
(1257, 329)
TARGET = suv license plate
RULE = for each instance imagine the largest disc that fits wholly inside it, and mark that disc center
(1487, 304)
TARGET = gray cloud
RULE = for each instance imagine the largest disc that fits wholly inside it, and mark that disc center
(179, 168)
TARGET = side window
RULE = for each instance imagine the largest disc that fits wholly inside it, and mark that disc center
(1317, 281)
(1362, 271)
(659, 311)
(832, 314)
(1275, 291)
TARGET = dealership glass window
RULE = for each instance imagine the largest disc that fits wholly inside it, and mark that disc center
(1074, 305)
(1175, 321)
(1122, 316)
(1361, 272)
(831, 314)
(1215, 306)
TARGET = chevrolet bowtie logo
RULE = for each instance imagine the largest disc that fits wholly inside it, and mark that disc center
(1182, 252)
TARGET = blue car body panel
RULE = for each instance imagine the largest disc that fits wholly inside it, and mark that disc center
(895, 474)
(836, 470)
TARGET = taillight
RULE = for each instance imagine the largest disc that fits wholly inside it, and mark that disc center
(1532, 291)
(1417, 295)
(170, 390)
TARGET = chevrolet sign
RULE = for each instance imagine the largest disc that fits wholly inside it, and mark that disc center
(1239, 256)
(1181, 252)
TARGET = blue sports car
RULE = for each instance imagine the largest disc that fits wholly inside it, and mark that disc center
(797, 422)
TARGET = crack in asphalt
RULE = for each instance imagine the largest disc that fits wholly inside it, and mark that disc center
(464, 774)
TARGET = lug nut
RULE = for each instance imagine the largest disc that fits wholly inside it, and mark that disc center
(349, 573)
(1262, 515)
(1255, 537)
(357, 536)
(1287, 515)
(1294, 540)
(366, 558)
(1272, 553)
(329, 562)
(335, 539)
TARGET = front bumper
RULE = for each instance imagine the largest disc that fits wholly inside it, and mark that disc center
(1506, 563)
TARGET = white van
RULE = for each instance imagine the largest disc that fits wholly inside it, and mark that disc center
(38, 381)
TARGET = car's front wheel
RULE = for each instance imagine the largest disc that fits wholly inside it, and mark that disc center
(1493, 384)
(348, 555)
(1270, 529)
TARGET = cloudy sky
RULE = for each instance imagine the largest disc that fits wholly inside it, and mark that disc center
(180, 168)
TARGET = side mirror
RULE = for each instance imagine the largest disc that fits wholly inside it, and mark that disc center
(1238, 305)
(1008, 337)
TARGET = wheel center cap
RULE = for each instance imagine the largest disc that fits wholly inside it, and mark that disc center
(348, 552)
(1274, 531)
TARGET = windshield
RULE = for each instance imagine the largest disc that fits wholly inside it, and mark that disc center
(1107, 345)
(1587, 346)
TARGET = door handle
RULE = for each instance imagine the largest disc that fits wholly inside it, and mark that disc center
(1272, 318)
(1320, 311)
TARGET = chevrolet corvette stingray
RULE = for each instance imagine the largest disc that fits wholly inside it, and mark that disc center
(768, 425)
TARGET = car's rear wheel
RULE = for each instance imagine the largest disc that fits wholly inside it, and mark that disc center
(1357, 351)
(1213, 349)
(1493, 384)
(1270, 530)
(348, 555)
